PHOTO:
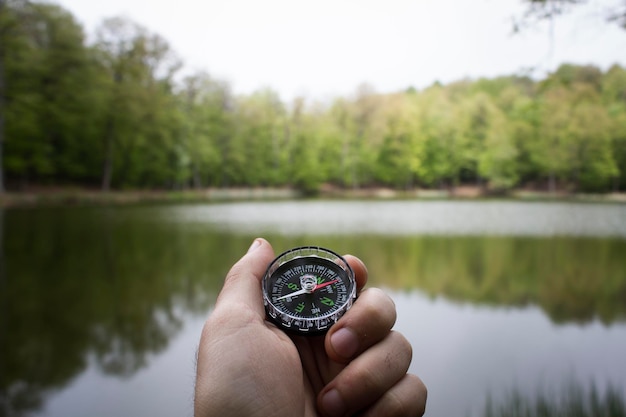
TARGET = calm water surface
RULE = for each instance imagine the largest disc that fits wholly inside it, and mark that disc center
(101, 308)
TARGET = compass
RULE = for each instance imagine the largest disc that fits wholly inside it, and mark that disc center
(307, 289)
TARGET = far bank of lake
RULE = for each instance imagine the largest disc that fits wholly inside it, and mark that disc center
(55, 196)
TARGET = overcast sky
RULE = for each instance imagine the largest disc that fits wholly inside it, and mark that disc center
(325, 48)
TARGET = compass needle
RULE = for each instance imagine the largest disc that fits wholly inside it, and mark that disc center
(293, 294)
(302, 272)
(325, 284)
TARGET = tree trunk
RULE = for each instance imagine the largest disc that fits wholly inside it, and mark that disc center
(551, 183)
(197, 182)
(107, 168)
(2, 106)
(109, 137)
(1, 139)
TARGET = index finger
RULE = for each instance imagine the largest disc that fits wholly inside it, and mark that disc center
(360, 271)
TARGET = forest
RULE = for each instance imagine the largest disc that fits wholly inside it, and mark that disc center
(118, 110)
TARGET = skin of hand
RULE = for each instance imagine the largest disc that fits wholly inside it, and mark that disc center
(246, 366)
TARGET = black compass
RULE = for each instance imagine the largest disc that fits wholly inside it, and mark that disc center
(307, 289)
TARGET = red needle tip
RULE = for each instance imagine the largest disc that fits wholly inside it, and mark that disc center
(318, 286)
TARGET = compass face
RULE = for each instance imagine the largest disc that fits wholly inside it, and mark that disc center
(306, 290)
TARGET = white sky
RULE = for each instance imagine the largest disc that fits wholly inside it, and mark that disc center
(325, 48)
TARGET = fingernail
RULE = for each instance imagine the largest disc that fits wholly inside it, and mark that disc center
(254, 245)
(344, 342)
(333, 404)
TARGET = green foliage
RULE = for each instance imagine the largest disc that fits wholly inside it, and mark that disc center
(113, 114)
(401, 152)
(48, 110)
(140, 127)
(204, 124)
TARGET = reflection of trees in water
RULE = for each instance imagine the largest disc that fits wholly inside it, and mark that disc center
(121, 347)
(571, 279)
(112, 286)
(83, 284)
(18, 398)
(575, 400)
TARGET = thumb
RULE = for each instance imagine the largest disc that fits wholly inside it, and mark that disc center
(243, 282)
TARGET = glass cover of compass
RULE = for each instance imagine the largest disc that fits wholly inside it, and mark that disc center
(307, 289)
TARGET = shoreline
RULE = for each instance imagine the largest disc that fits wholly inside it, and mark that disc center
(43, 197)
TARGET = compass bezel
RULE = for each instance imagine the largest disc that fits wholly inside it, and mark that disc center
(288, 320)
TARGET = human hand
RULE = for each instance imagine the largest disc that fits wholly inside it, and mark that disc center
(248, 367)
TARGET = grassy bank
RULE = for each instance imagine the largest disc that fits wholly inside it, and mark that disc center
(80, 196)
(574, 400)
(75, 196)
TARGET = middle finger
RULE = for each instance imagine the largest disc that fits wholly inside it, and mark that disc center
(364, 380)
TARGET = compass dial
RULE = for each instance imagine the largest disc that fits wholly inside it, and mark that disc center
(307, 289)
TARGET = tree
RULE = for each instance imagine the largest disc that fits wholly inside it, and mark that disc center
(361, 126)
(68, 116)
(476, 125)
(613, 85)
(48, 111)
(592, 163)
(574, 142)
(549, 149)
(618, 134)
(138, 70)
(18, 54)
(306, 155)
(491, 152)
(441, 137)
(253, 155)
(524, 118)
(206, 106)
(614, 98)
(498, 162)
(401, 152)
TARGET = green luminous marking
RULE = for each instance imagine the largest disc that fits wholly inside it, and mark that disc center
(292, 286)
(320, 280)
(300, 307)
(327, 301)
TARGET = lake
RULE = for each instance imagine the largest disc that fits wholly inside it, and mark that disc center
(101, 308)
